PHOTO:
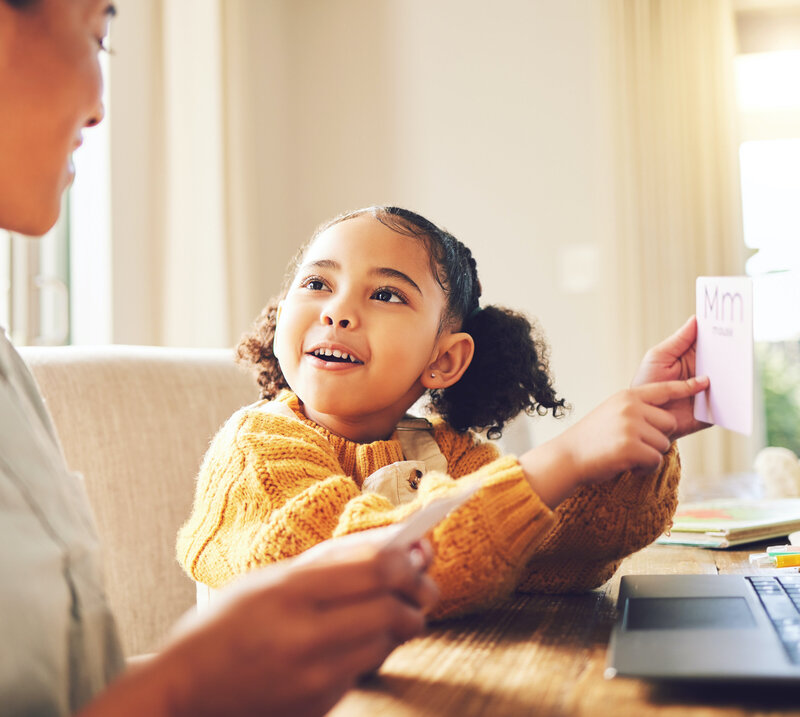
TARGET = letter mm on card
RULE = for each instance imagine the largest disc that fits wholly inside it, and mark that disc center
(725, 351)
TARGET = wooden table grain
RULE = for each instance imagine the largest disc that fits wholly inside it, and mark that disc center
(545, 655)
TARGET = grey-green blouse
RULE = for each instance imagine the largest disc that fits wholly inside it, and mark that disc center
(58, 642)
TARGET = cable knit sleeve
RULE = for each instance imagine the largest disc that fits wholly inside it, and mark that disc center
(600, 525)
(481, 548)
(268, 488)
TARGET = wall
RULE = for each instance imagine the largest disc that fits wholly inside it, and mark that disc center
(490, 118)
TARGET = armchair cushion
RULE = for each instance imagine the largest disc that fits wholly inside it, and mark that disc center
(135, 421)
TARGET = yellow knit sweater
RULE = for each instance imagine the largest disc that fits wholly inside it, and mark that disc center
(270, 487)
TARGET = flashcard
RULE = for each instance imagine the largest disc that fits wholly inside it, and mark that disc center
(725, 351)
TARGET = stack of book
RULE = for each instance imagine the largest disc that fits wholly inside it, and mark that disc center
(728, 522)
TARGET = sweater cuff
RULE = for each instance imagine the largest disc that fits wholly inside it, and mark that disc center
(662, 482)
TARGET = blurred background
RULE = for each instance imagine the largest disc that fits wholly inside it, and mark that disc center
(596, 156)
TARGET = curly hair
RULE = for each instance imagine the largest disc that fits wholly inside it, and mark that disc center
(509, 372)
(255, 350)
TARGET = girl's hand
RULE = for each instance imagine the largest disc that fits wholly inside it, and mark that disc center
(671, 360)
(628, 432)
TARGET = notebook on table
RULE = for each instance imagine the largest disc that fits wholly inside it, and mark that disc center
(724, 628)
(727, 522)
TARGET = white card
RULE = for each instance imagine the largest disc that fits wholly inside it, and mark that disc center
(725, 351)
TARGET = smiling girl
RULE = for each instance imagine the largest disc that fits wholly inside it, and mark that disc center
(382, 309)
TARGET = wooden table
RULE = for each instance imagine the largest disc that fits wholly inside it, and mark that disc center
(545, 655)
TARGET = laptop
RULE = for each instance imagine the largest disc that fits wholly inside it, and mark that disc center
(722, 628)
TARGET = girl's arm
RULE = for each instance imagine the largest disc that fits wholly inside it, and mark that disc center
(482, 548)
(601, 524)
(631, 431)
(595, 477)
(614, 486)
(268, 489)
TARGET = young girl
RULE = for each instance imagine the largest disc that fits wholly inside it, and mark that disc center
(384, 308)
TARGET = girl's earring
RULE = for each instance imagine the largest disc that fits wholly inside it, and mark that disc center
(433, 375)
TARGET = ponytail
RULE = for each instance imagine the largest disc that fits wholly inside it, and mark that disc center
(508, 374)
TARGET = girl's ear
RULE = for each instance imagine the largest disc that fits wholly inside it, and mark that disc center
(452, 359)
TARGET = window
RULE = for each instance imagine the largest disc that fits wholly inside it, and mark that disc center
(34, 277)
(769, 103)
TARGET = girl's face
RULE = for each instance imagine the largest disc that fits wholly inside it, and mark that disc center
(50, 89)
(358, 331)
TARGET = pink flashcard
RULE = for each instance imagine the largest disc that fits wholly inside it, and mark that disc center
(725, 351)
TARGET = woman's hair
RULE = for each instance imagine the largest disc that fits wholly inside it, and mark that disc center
(20, 3)
(509, 369)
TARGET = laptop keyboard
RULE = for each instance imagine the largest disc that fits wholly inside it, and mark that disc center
(780, 596)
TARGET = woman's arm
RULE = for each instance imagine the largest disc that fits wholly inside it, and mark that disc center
(284, 640)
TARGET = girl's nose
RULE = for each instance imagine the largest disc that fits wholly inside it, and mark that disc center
(335, 314)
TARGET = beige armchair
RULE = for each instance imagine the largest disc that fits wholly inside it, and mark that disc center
(136, 421)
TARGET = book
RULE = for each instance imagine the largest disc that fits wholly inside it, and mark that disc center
(728, 522)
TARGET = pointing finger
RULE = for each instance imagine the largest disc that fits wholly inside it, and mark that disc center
(660, 393)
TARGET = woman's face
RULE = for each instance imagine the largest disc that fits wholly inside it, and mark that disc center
(50, 90)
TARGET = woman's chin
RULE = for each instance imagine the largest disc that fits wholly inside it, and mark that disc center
(37, 224)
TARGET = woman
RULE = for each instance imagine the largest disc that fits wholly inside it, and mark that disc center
(282, 640)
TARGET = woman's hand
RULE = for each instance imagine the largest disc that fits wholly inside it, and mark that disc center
(630, 431)
(288, 639)
(671, 360)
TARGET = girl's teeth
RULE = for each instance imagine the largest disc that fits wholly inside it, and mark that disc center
(336, 353)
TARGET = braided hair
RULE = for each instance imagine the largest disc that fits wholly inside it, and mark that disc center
(509, 371)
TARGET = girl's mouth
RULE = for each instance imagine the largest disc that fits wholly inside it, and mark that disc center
(335, 356)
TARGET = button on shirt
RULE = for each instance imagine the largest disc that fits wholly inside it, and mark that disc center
(59, 643)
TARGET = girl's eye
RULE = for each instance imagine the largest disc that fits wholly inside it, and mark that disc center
(389, 296)
(313, 284)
